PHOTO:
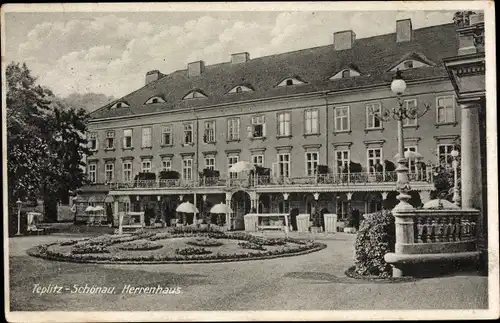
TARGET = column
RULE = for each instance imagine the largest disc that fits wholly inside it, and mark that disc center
(117, 214)
(194, 215)
(287, 225)
(228, 203)
(470, 157)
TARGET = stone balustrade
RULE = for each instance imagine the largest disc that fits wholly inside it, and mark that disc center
(433, 235)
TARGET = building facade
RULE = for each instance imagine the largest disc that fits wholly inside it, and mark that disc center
(289, 113)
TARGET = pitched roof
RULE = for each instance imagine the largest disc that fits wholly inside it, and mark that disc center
(373, 57)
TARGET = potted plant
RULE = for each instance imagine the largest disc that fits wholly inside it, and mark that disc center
(316, 221)
(203, 224)
(352, 223)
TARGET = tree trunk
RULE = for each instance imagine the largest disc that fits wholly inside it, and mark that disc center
(50, 208)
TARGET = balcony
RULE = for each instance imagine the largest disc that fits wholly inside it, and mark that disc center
(248, 181)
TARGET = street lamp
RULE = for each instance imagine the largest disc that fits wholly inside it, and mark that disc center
(19, 203)
(400, 113)
(456, 193)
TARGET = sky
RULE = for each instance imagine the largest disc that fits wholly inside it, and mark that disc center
(110, 52)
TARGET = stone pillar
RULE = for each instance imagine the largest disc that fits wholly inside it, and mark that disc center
(228, 203)
(287, 225)
(117, 214)
(470, 157)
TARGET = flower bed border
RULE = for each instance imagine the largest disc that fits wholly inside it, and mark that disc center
(35, 252)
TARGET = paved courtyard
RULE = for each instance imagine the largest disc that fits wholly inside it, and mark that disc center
(314, 281)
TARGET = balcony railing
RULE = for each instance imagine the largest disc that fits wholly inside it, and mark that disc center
(263, 181)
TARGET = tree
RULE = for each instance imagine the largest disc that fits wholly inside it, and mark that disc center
(65, 132)
(45, 141)
(27, 107)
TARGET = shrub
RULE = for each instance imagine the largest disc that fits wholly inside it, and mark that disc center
(140, 245)
(192, 251)
(205, 242)
(251, 245)
(375, 238)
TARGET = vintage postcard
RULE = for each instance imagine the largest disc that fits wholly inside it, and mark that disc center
(249, 161)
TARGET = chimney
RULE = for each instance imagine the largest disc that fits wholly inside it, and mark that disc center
(196, 68)
(403, 30)
(240, 58)
(343, 39)
(152, 76)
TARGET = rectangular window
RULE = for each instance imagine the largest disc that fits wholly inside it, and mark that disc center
(166, 135)
(209, 131)
(412, 165)
(342, 118)
(109, 172)
(93, 141)
(258, 160)
(311, 120)
(231, 160)
(410, 105)
(444, 154)
(110, 139)
(374, 156)
(93, 173)
(284, 165)
(127, 171)
(146, 137)
(373, 113)
(284, 124)
(188, 133)
(257, 130)
(312, 163)
(233, 129)
(445, 109)
(127, 138)
(210, 163)
(342, 158)
(166, 164)
(146, 166)
(187, 169)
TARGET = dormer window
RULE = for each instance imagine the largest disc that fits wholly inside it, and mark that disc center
(119, 105)
(194, 95)
(155, 99)
(408, 64)
(240, 89)
(411, 60)
(290, 82)
(346, 73)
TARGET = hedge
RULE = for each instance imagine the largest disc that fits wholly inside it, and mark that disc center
(375, 238)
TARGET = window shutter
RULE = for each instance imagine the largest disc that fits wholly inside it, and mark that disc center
(250, 132)
(264, 127)
(274, 170)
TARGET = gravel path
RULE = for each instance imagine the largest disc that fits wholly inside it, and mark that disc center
(314, 281)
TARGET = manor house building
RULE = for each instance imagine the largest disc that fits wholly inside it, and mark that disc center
(290, 113)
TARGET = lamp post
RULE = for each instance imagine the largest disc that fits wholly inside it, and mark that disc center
(19, 203)
(456, 193)
(400, 113)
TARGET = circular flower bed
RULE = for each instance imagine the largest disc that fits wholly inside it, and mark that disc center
(205, 242)
(173, 247)
(140, 245)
